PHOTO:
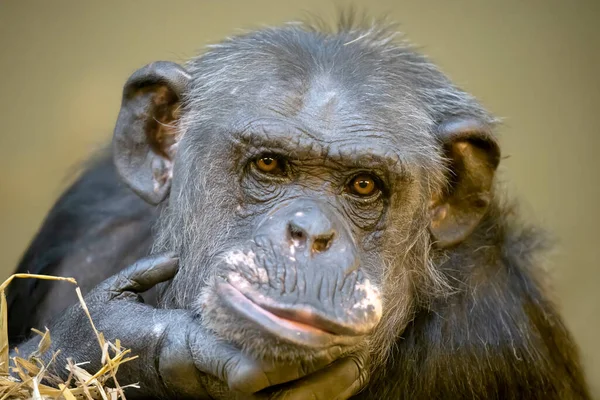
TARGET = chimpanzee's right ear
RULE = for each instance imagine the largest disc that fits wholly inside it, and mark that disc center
(146, 133)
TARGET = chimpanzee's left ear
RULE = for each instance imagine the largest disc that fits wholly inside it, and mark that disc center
(473, 155)
(145, 136)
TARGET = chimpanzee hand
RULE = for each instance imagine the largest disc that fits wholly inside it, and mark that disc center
(178, 357)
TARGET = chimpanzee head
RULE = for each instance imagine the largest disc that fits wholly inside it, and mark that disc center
(310, 181)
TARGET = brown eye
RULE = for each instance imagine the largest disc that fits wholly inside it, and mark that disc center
(268, 165)
(363, 185)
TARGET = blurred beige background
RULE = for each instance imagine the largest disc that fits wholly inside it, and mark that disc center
(536, 63)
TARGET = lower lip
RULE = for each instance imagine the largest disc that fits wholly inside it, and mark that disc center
(285, 329)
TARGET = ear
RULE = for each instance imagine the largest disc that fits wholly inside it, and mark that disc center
(473, 155)
(145, 136)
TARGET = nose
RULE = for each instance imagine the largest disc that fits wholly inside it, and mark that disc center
(310, 233)
(306, 225)
(310, 230)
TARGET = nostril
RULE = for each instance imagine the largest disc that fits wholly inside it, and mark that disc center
(297, 235)
(322, 243)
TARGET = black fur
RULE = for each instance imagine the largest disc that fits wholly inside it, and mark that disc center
(498, 336)
(97, 227)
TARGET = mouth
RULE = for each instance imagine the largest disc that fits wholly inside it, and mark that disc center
(297, 326)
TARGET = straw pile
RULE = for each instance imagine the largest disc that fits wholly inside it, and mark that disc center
(36, 382)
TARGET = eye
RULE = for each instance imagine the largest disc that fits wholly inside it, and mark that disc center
(270, 165)
(363, 185)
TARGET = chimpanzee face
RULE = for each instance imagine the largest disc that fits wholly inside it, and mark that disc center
(308, 206)
(308, 179)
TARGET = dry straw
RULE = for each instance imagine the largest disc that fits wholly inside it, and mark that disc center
(35, 381)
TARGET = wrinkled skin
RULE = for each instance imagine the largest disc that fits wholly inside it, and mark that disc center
(328, 200)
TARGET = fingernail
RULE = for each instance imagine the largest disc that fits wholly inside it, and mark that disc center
(336, 351)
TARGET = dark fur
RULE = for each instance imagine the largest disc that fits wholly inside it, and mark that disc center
(96, 228)
(498, 336)
(479, 323)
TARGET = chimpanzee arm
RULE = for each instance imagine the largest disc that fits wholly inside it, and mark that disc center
(95, 229)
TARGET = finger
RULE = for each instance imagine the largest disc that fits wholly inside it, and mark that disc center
(217, 358)
(355, 388)
(244, 373)
(340, 381)
(250, 376)
(143, 275)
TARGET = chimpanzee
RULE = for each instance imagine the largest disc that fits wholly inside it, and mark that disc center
(327, 225)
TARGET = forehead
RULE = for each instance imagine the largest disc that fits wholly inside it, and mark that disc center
(327, 87)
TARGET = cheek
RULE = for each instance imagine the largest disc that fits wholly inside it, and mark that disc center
(373, 264)
(389, 219)
(364, 216)
(255, 191)
(407, 213)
